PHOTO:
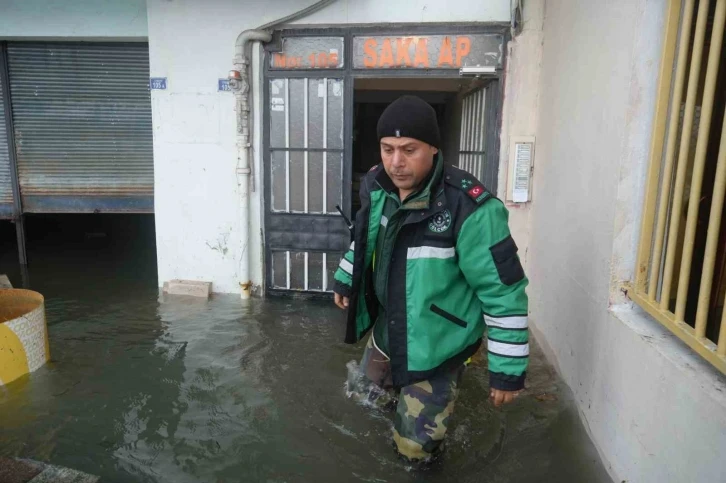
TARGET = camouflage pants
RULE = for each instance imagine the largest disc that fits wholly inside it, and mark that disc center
(423, 409)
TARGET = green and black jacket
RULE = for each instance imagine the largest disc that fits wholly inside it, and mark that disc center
(453, 272)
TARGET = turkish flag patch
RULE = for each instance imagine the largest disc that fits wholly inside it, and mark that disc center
(476, 191)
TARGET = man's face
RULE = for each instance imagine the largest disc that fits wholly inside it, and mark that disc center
(407, 161)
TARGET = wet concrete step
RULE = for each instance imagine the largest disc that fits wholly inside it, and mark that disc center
(29, 471)
(56, 474)
(189, 288)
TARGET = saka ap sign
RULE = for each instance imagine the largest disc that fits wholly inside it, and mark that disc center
(428, 51)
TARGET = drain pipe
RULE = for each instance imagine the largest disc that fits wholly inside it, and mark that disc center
(239, 82)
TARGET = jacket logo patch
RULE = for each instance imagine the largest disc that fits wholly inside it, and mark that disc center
(466, 183)
(440, 222)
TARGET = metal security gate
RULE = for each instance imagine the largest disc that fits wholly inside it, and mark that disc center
(82, 121)
(472, 141)
(305, 235)
(478, 134)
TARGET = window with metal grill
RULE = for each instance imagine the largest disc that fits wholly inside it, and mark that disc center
(681, 267)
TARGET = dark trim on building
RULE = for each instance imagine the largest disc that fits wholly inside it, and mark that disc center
(88, 204)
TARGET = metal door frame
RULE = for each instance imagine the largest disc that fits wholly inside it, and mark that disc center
(17, 215)
(271, 73)
(494, 102)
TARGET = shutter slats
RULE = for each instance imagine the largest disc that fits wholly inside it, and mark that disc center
(6, 187)
(82, 116)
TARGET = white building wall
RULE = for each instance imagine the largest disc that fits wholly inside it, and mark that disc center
(408, 11)
(197, 217)
(655, 410)
(98, 19)
(520, 111)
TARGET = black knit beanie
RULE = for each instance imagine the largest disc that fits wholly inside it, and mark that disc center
(410, 117)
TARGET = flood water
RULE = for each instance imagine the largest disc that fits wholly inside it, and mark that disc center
(147, 389)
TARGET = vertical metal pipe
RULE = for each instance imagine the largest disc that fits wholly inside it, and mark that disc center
(722, 336)
(306, 118)
(325, 272)
(287, 145)
(25, 276)
(483, 144)
(483, 121)
(325, 153)
(467, 106)
(307, 270)
(704, 130)
(288, 269)
(475, 124)
(663, 107)
(477, 132)
(242, 89)
(462, 130)
(672, 133)
(470, 135)
(18, 217)
(714, 229)
(692, 94)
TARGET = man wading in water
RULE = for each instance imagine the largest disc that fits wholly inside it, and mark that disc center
(432, 261)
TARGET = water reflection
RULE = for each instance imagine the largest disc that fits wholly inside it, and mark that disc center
(142, 389)
(209, 401)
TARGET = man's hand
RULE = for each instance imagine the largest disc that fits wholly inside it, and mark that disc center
(499, 397)
(341, 301)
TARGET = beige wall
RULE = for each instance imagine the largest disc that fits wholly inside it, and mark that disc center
(655, 410)
(520, 110)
